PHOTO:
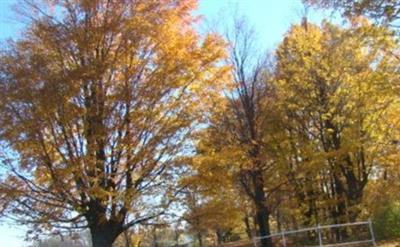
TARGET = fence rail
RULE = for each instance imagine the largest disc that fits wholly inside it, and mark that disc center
(285, 235)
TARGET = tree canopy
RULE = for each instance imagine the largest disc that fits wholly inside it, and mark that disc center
(121, 118)
(97, 103)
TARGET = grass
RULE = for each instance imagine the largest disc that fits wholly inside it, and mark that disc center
(392, 243)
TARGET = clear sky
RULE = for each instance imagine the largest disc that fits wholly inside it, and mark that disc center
(271, 19)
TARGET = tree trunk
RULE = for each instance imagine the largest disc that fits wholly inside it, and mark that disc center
(127, 239)
(155, 244)
(339, 212)
(220, 236)
(278, 220)
(262, 211)
(263, 226)
(200, 238)
(103, 237)
(248, 227)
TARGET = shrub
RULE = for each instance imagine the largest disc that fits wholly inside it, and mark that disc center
(387, 221)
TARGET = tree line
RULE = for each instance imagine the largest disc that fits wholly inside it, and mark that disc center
(119, 115)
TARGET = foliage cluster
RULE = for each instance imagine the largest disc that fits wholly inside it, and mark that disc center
(118, 117)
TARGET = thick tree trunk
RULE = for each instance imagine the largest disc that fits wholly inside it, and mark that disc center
(102, 237)
(263, 226)
(262, 211)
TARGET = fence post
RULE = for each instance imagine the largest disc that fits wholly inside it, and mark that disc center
(283, 239)
(319, 235)
(371, 230)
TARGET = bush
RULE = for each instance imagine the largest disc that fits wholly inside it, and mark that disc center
(387, 221)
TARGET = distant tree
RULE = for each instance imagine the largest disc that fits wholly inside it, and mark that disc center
(81, 239)
(211, 210)
(97, 101)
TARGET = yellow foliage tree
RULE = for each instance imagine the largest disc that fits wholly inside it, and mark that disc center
(98, 99)
(237, 149)
(336, 85)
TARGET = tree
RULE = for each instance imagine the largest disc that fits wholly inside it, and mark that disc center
(336, 84)
(98, 98)
(76, 240)
(385, 11)
(239, 137)
(212, 207)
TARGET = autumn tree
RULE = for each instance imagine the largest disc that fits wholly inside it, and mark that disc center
(386, 12)
(238, 139)
(336, 84)
(98, 98)
(213, 206)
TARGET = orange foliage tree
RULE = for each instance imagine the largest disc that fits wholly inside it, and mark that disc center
(97, 103)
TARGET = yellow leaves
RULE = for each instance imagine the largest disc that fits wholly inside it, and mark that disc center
(333, 85)
(43, 177)
(98, 192)
(109, 99)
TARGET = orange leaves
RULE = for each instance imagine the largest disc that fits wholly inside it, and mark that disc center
(103, 101)
(333, 83)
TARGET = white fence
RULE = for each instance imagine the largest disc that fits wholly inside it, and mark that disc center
(320, 232)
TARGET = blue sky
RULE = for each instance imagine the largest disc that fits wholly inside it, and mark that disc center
(271, 19)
